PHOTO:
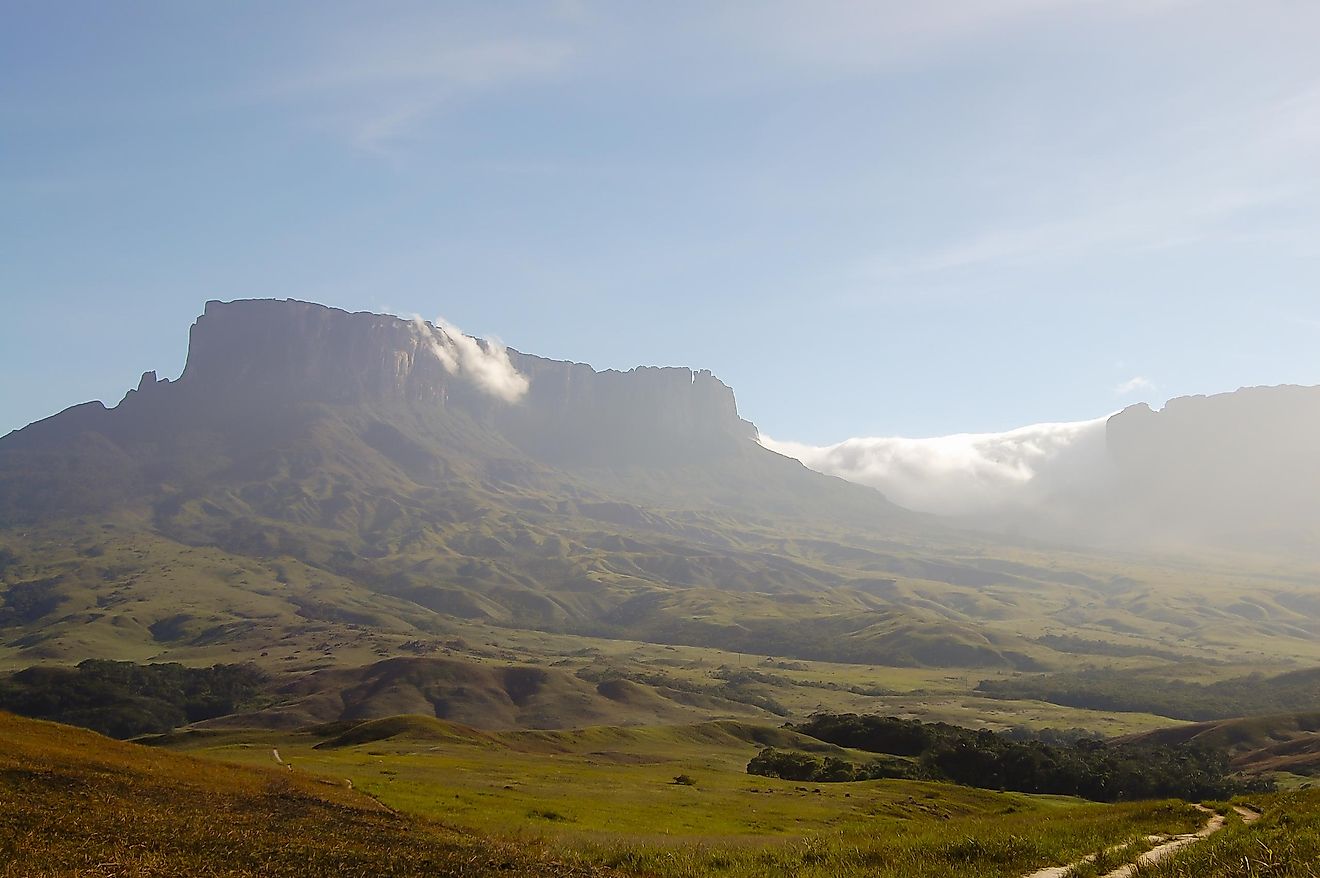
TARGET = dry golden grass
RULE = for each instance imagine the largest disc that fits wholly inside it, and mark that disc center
(75, 804)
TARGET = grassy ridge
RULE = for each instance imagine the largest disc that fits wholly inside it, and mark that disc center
(75, 804)
(491, 689)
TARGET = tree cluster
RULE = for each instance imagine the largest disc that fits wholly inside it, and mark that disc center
(1064, 765)
(124, 700)
(795, 765)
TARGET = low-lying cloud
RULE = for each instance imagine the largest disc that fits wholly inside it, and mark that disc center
(486, 364)
(969, 473)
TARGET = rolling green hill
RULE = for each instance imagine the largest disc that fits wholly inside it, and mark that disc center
(483, 695)
(1288, 742)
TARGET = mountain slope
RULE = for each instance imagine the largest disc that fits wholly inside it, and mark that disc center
(324, 487)
(336, 452)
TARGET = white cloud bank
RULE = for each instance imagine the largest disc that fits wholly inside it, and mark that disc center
(968, 473)
(486, 365)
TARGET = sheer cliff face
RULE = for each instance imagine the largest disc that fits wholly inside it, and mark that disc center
(251, 356)
(299, 351)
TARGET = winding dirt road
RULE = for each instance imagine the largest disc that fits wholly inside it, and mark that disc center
(1167, 844)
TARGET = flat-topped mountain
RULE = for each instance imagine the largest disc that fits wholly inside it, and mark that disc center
(1237, 469)
(386, 472)
(325, 487)
(1235, 472)
(427, 403)
(250, 356)
(296, 351)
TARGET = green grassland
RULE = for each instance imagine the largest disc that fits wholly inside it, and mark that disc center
(73, 803)
(117, 592)
(419, 796)
(609, 796)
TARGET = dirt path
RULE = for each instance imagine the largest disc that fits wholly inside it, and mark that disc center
(1168, 844)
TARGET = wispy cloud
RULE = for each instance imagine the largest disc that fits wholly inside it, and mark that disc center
(1201, 186)
(1136, 384)
(376, 88)
(1155, 221)
(857, 36)
(418, 61)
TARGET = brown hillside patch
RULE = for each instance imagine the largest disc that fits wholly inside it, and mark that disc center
(75, 804)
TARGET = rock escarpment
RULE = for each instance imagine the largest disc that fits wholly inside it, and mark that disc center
(285, 390)
(249, 357)
(1236, 469)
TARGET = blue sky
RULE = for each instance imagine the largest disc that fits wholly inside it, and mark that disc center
(871, 219)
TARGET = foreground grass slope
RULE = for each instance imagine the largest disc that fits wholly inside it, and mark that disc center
(75, 804)
(1284, 843)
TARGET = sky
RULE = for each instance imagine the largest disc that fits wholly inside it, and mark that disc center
(882, 219)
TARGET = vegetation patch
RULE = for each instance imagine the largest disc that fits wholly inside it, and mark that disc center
(1097, 770)
(124, 700)
(1105, 689)
(794, 765)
